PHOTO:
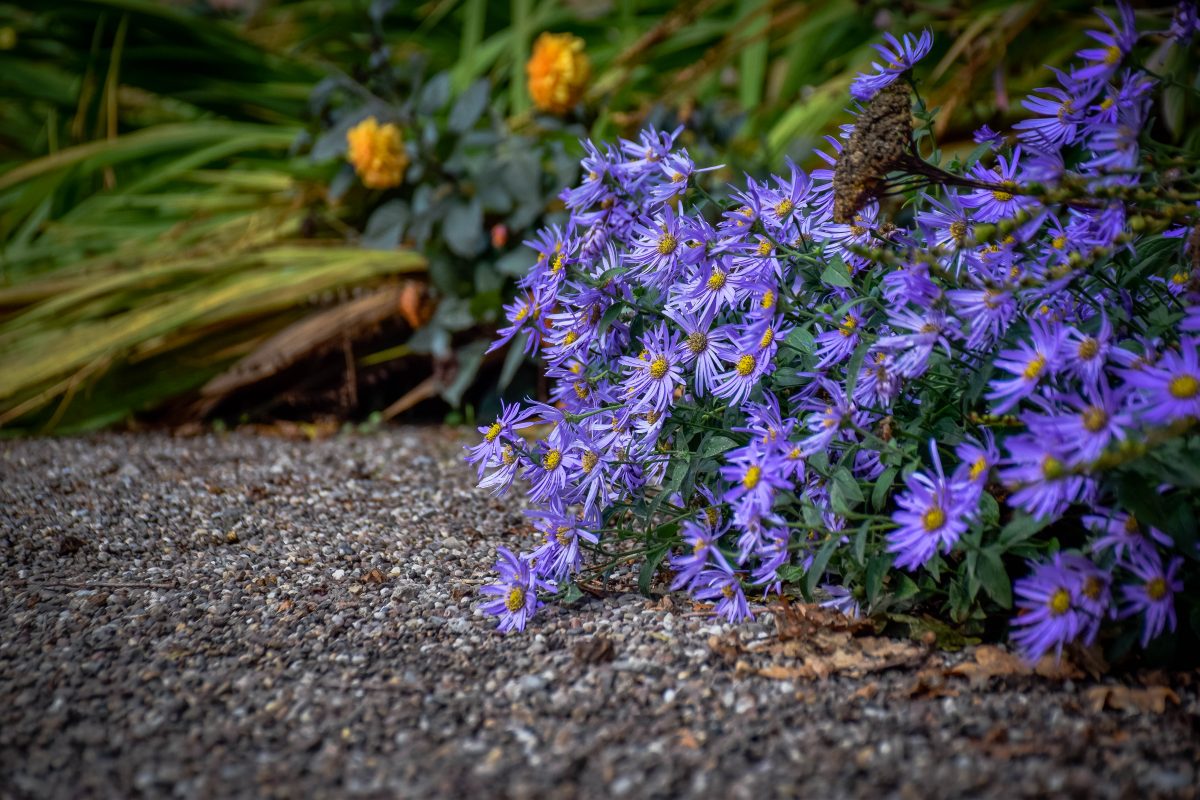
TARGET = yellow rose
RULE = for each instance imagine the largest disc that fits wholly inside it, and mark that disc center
(377, 153)
(558, 72)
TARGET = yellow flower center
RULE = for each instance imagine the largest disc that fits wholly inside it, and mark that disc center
(697, 341)
(784, 207)
(1093, 587)
(1060, 602)
(507, 455)
(933, 519)
(492, 432)
(1052, 468)
(768, 299)
(1058, 242)
(1034, 368)
(1107, 103)
(728, 591)
(753, 475)
(515, 600)
(764, 248)
(978, 468)
(571, 338)
(1112, 55)
(522, 313)
(713, 515)
(1005, 194)
(716, 281)
(589, 461)
(767, 337)
(551, 460)
(1131, 524)
(1094, 419)
(666, 244)
(958, 230)
(1180, 278)
(1184, 387)
(848, 326)
(1156, 589)
(1088, 348)
(857, 231)
(746, 364)
(556, 263)
(658, 368)
(582, 390)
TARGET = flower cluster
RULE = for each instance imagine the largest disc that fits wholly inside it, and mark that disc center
(377, 153)
(805, 380)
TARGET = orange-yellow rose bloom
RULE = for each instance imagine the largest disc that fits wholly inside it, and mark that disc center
(377, 153)
(558, 72)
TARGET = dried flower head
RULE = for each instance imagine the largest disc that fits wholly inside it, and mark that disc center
(880, 142)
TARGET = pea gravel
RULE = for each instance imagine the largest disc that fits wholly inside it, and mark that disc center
(229, 616)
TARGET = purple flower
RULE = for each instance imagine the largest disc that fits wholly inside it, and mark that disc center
(723, 586)
(488, 452)
(1088, 425)
(1029, 364)
(900, 55)
(1153, 593)
(934, 512)
(516, 593)
(1059, 121)
(1004, 200)
(1052, 612)
(1169, 389)
(652, 377)
(1124, 535)
(1116, 44)
(837, 344)
(1036, 470)
(987, 313)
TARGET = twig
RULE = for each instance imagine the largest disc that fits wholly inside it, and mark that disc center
(103, 585)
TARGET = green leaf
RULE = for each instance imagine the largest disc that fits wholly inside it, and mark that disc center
(860, 542)
(571, 594)
(845, 495)
(817, 569)
(463, 229)
(836, 274)
(649, 567)
(854, 365)
(883, 485)
(513, 360)
(994, 578)
(1020, 528)
(876, 568)
(610, 315)
(470, 357)
(717, 445)
(469, 106)
(386, 226)
(434, 95)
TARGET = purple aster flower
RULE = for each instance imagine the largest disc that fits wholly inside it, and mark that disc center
(1185, 23)
(992, 205)
(1153, 593)
(1029, 365)
(1085, 354)
(976, 459)
(1036, 472)
(596, 166)
(559, 557)
(1169, 389)
(838, 344)
(1123, 534)
(700, 538)
(747, 366)
(900, 55)
(1086, 424)
(933, 513)
(757, 472)
(516, 593)
(554, 460)
(986, 312)
(1058, 120)
(1116, 44)
(926, 331)
(841, 599)
(1051, 613)
(654, 256)
(708, 291)
(723, 586)
(652, 377)
(985, 135)
(488, 452)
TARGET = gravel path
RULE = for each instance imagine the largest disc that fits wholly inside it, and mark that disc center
(229, 616)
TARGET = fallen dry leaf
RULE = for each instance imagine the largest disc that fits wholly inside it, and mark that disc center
(594, 650)
(1124, 698)
(374, 576)
(995, 662)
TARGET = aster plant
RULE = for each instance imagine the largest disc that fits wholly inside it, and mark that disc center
(892, 385)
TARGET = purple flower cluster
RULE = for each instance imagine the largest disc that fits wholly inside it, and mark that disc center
(787, 367)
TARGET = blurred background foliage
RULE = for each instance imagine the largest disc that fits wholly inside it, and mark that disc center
(182, 237)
